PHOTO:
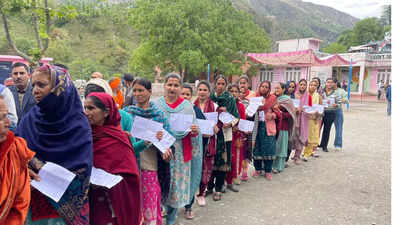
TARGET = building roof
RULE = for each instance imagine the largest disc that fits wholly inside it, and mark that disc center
(310, 38)
(297, 58)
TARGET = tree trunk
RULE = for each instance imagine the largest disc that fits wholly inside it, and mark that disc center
(10, 40)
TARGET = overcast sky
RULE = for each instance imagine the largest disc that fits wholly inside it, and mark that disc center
(357, 8)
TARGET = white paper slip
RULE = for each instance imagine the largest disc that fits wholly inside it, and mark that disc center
(54, 180)
(296, 103)
(314, 108)
(330, 101)
(256, 100)
(225, 117)
(213, 116)
(246, 125)
(166, 141)
(145, 129)
(102, 178)
(206, 126)
(251, 109)
(180, 121)
(261, 116)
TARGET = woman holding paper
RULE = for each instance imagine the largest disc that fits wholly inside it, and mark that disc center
(222, 161)
(245, 95)
(301, 125)
(58, 131)
(265, 131)
(155, 173)
(238, 145)
(206, 105)
(286, 126)
(313, 122)
(176, 107)
(197, 154)
(113, 153)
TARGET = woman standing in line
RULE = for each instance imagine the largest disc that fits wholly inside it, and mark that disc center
(54, 128)
(180, 166)
(154, 166)
(238, 145)
(113, 153)
(245, 95)
(206, 105)
(301, 131)
(197, 154)
(313, 122)
(288, 112)
(222, 161)
(290, 91)
(265, 131)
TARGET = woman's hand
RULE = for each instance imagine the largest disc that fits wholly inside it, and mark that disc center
(33, 175)
(235, 128)
(159, 135)
(195, 129)
(167, 155)
(216, 129)
(227, 125)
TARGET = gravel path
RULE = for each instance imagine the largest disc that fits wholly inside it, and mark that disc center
(352, 187)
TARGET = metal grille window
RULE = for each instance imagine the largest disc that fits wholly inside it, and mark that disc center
(267, 74)
(293, 74)
(383, 74)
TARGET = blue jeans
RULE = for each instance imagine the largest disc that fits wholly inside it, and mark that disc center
(339, 128)
(389, 108)
(172, 215)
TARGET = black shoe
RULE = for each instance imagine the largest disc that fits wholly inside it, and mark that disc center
(232, 188)
(325, 149)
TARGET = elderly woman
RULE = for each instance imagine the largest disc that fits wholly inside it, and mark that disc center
(223, 158)
(171, 103)
(15, 191)
(154, 166)
(58, 131)
(112, 152)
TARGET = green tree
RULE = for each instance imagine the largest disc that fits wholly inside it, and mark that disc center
(386, 17)
(186, 35)
(368, 30)
(335, 48)
(42, 16)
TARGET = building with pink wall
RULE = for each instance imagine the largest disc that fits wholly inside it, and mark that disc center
(300, 58)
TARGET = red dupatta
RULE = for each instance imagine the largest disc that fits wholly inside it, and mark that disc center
(113, 152)
(187, 140)
(208, 107)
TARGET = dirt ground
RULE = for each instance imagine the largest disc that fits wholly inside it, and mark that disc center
(352, 187)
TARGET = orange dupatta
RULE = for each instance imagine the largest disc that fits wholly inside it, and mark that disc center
(15, 192)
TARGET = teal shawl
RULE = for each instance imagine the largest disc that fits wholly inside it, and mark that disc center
(157, 115)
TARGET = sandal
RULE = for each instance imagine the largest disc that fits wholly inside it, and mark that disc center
(217, 196)
(201, 201)
(189, 214)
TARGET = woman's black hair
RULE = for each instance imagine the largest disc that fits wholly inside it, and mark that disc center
(283, 85)
(93, 88)
(205, 83)
(219, 77)
(98, 103)
(233, 86)
(319, 81)
(186, 85)
(338, 84)
(303, 80)
(244, 76)
(143, 82)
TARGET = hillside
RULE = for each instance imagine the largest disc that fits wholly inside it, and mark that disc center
(287, 19)
(103, 40)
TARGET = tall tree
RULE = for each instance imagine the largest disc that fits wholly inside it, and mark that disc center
(42, 16)
(386, 17)
(185, 35)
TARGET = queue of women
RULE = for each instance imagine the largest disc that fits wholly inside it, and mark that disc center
(59, 130)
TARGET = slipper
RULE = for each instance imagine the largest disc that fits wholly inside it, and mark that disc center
(217, 196)
(189, 215)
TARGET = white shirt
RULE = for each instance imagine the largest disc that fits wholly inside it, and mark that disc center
(12, 111)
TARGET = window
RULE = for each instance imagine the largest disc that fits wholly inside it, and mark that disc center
(293, 74)
(267, 74)
(383, 74)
